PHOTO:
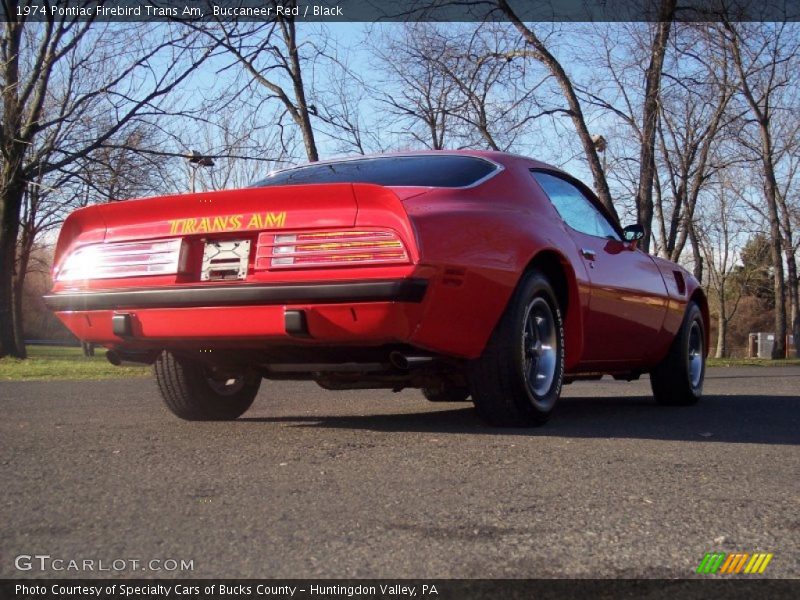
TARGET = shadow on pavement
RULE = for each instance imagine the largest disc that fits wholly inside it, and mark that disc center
(731, 419)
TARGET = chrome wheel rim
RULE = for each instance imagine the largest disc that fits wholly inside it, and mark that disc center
(695, 354)
(539, 348)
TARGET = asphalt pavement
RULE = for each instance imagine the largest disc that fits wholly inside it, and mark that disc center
(311, 483)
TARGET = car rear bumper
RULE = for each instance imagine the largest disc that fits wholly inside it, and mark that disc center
(400, 290)
(372, 312)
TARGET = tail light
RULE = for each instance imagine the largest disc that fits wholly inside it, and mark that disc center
(106, 261)
(329, 249)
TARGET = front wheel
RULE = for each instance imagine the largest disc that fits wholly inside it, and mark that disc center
(193, 391)
(678, 379)
(517, 380)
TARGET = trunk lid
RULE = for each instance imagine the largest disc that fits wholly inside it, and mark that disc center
(230, 211)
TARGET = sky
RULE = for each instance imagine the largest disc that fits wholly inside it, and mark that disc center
(351, 40)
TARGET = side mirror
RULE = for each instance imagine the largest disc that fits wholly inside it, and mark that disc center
(633, 233)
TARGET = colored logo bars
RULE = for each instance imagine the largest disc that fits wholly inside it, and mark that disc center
(737, 562)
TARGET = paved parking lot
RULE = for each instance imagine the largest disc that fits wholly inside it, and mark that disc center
(312, 483)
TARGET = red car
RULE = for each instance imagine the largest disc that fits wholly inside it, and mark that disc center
(465, 274)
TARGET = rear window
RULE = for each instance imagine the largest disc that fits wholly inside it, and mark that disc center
(424, 170)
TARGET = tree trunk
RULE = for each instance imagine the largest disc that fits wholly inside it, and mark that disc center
(10, 206)
(779, 289)
(19, 324)
(722, 337)
(776, 242)
(722, 322)
(24, 249)
(791, 272)
(543, 55)
(761, 112)
(647, 164)
(794, 298)
(697, 269)
(304, 118)
(12, 186)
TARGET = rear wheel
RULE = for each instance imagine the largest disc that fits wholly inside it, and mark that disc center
(517, 380)
(193, 391)
(678, 379)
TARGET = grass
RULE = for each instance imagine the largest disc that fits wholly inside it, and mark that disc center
(55, 362)
(752, 362)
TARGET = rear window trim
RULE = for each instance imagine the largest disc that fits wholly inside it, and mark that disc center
(497, 168)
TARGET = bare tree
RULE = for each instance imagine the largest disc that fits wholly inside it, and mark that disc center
(120, 170)
(40, 214)
(626, 88)
(82, 70)
(348, 107)
(415, 91)
(721, 241)
(650, 112)
(130, 165)
(242, 153)
(537, 48)
(465, 85)
(694, 112)
(273, 59)
(787, 152)
(765, 59)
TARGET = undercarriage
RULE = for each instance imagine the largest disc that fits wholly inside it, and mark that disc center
(394, 366)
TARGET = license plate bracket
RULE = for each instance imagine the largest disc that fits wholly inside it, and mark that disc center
(225, 260)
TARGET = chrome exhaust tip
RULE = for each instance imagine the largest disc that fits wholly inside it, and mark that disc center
(406, 362)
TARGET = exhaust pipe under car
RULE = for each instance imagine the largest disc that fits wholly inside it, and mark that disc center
(406, 362)
(127, 359)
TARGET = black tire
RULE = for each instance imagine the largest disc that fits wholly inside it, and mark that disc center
(191, 394)
(678, 379)
(502, 390)
(446, 392)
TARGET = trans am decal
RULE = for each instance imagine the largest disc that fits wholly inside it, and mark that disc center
(271, 220)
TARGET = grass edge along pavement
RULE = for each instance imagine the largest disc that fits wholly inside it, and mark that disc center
(752, 362)
(56, 362)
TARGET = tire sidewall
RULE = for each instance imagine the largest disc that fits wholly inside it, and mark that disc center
(186, 391)
(693, 315)
(536, 286)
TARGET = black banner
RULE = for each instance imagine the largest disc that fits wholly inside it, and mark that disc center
(399, 589)
(394, 10)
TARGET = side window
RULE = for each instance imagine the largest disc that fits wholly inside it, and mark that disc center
(575, 208)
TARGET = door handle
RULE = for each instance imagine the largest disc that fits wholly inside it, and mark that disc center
(588, 254)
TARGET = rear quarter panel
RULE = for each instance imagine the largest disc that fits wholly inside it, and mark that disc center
(480, 241)
(682, 287)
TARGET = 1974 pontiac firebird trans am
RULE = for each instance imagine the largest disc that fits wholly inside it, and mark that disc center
(465, 274)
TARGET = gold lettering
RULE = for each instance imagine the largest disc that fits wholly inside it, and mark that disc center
(227, 223)
(275, 219)
(255, 222)
(220, 224)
